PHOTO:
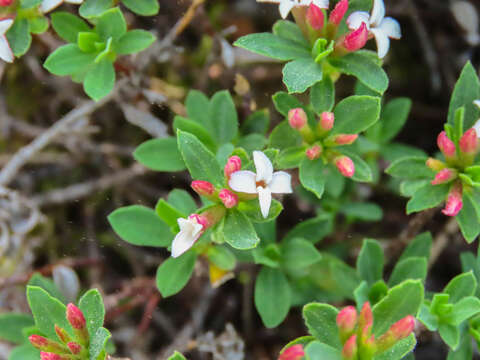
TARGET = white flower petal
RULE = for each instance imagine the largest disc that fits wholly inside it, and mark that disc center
(281, 183)
(391, 28)
(378, 13)
(270, 1)
(285, 7)
(476, 126)
(49, 5)
(263, 165)
(477, 103)
(243, 181)
(74, 1)
(383, 42)
(189, 233)
(265, 200)
(6, 53)
(5, 25)
(322, 4)
(357, 18)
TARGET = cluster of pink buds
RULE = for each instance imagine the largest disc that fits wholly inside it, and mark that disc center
(457, 158)
(69, 347)
(321, 144)
(356, 333)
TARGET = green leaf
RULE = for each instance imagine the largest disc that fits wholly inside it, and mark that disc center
(356, 114)
(222, 257)
(312, 176)
(139, 225)
(48, 285)
(197, 129)
(411, 268)
(301, 74)
(290, 31)
(401, 300)
(160, 155)
(11, 326)
(468, 219)
(68, 25)
(252, 142)
(409, 187)
(91, 304)
(463, 352)
(420, 246)
(111, 24)
(363, 172)
(19, 37)
(272, 296)
(181, 200)
(134, 41)
(177, 356)
(100, 80)
(461, 286)
(399, 350)
(299, 253)
(321, 323)
(319, 351)
(173, 274)
(322, 95)
(427, 197)
(291, 157)
(94, 8)
(67, 60)
(24, 352)
(314, 229)
(362, 211)
(395, 151)
(361, 65)
(370, 261)
(142, 7)
(467, 89)
(273, 46)
(450, 334)
(28, 4)
(168, 213)
(283, 137)
(256, 122)
(239, 231)
(223, 117)
(251, 209)
(411, 168)
(47, 311)
(38, 25)
(98, 344)
(197, 105)
(201, 163)
(464, 310)
(394, 115)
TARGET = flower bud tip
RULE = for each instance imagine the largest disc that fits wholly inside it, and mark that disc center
(315, 17)
(234, 164)
(345, 165)
(297, 118)
(75, 317)
(203, 188)
(228, 198)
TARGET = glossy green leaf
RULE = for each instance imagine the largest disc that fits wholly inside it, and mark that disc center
(356, 114)
(160, 155)
(173, 274)
(290, 31)
(461, 286)
(100, 80)
(427, 197)
(11, 326)
(98, 344)
(239, 231)
(298, 253)
(134, 41)
(312, 176)
(111, 24)
(410, 268)
(19, 37)
(142, 7)
(411, 168)
(91, 304)
(68, 25)
(301, 74)
(320, 351)
(321, 323)
(67, 60)
(370, 261)
(95, 8)
(223, 121)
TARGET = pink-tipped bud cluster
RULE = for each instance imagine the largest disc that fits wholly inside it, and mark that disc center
(203, 188)
(314, 152)
(345, 166)
(365, 321)
(234, 163)
(6, 2)
(446, 146)
(338, 12)
(454, 200)
(444, 176)
(315, 17)
(350, 348)
(468, 143)
(347, 320)
(356, 39)
(297, 118)
(75, 317)
(228, 198)
(345, 139)
(435, 165)
(294, 352)
(327, 120)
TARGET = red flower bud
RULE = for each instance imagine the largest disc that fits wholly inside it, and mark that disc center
(365, 321)
(403, 328)
(294, 352)
(350, 349)
(314, 152)
(203, 188)
(356, 39)
(6, 2)
(315, 17)
(347, 319)
(469, 142)
(338, 12)
(327, 120)
(229, 199)
(74, 347)
(435, 165)
(345, 139)
(345, 165)
(454, 201)
(444, 176)
(75, 317)
(297, 118)
(38, 341)
(446, 145)
(234, 164)
(50, 356)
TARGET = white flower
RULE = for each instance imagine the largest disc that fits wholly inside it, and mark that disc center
(49, 5)
(476, 126)
(6, 52)
(264, 182)
(286, 5)
(380, 26)
(190, 232)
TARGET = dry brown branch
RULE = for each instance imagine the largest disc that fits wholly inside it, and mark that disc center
(441, 240)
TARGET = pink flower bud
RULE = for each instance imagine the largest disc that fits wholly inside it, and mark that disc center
(327, 120)
(444, 176)
(315, 17)
(435, 165)
(469, 142)
(314, 152)
(365, 321)
(294, 352)
(229, 199)
(74, 347)
(50, 356)
(347, 319)
(446, 145)
(345, 139)
(234, 164)
(338, 12)
(203, 188)
(200, 219)
(6, 2)
(75, 317)
(350, 349)
(345, 165)
(454, 201)
(356, 39)
(403, 328)
(38, 341)
(297, 118)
